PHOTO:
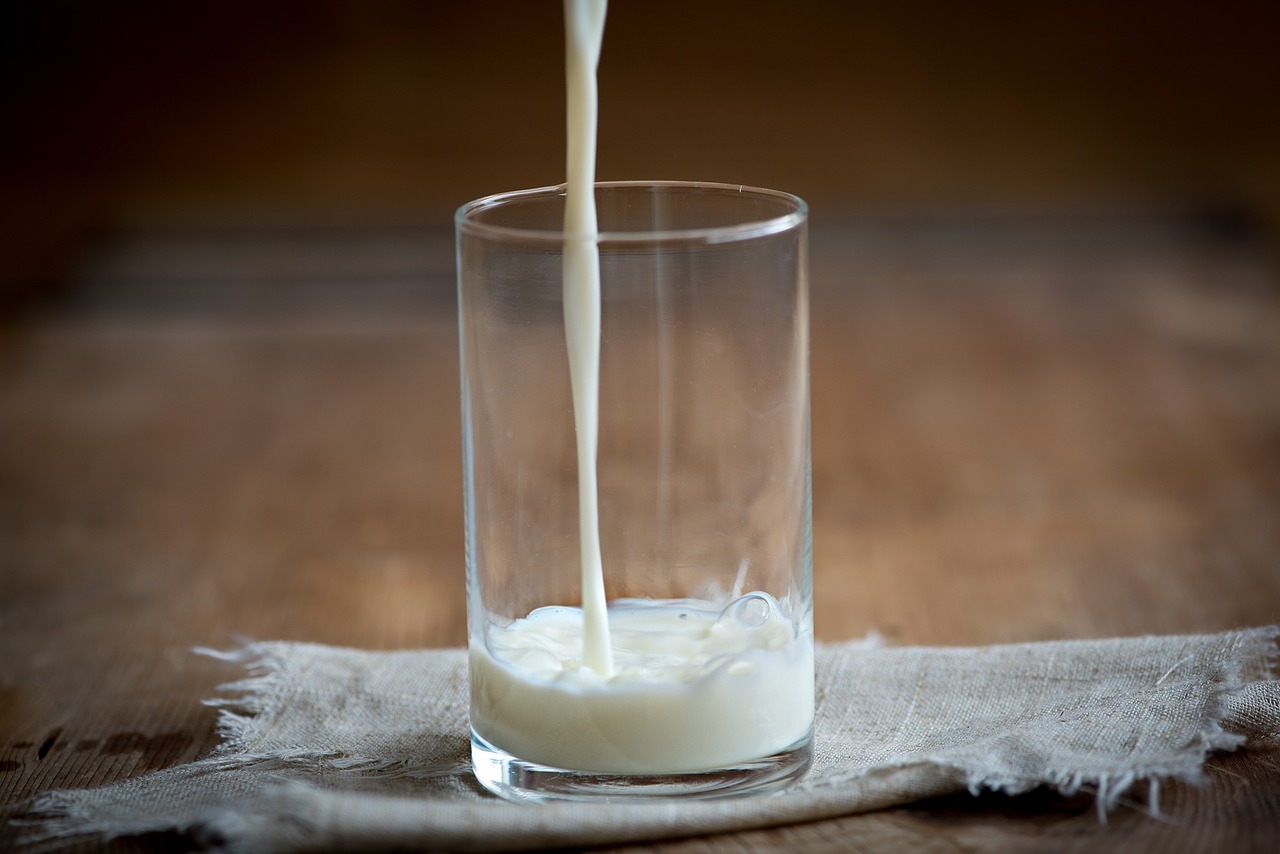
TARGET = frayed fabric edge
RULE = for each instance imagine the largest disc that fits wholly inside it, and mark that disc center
(239, 722)
(51, 819)
(54, 818)
(1259, 646)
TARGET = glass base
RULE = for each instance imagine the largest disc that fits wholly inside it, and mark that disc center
(527, 782)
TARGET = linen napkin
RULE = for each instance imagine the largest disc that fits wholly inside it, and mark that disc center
(341, 749)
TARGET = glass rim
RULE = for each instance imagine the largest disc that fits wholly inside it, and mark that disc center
(465, 222)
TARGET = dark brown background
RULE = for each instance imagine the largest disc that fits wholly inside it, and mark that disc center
(151, 112)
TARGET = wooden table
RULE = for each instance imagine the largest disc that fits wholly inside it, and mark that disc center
(1022, 430)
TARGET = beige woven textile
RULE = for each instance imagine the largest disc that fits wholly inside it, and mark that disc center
(338, 749)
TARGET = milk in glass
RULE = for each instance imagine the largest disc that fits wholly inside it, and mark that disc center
(640, 686)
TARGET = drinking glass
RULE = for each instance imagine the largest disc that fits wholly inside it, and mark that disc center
(704, 494)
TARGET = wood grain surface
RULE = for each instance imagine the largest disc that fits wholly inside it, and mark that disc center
(1022, 430)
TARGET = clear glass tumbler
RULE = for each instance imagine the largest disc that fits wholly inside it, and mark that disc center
(704, 495)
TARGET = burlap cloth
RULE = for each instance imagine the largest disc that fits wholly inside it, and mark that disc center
(338, 749)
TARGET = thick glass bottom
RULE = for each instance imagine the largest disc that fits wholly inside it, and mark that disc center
(527, 782)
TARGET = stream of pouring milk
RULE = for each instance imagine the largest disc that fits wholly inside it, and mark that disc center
(648, 686)
(584, 32)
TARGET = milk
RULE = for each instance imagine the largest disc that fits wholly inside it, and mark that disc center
(641, 686)
(584, 32)
(695, 687)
